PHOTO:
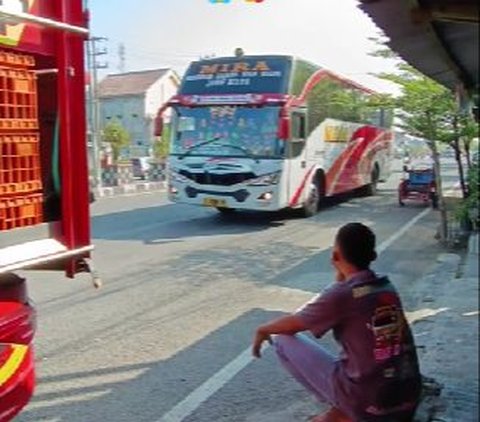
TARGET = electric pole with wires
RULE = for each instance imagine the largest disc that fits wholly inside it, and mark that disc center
(94, 51)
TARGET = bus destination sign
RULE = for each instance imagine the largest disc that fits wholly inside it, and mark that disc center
(238, 76)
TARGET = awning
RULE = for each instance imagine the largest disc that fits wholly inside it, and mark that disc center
(438, 37)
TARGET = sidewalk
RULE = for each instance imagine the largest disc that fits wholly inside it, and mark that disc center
(130, 189)
(448, 339)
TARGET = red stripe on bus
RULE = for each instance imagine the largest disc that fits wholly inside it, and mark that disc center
(300, 189)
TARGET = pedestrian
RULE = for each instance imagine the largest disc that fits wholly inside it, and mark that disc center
(376, 376)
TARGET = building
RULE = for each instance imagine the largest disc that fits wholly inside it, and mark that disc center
(133, 99)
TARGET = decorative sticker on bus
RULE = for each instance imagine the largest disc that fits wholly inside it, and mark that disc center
(238, 75)
(338, 132)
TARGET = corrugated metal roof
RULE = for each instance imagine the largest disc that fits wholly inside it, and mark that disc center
(131, 83)
(442, 46)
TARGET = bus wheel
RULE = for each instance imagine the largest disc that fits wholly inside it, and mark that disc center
(226, 211)
(371, 189)
(310, 206)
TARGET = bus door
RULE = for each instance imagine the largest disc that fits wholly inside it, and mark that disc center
(296, 154)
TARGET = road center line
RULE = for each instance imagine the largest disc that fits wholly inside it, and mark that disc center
(392, 239)
(193, 401)
(206, 390)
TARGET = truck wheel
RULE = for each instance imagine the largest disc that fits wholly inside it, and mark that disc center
(310, 206)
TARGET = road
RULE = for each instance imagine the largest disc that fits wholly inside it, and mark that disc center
(167, 337)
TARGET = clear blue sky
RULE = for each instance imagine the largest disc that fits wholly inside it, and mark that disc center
(171, 33)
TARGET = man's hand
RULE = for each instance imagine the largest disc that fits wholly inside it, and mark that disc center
(260, 336)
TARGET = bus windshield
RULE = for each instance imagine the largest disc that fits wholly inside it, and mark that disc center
(227, 131)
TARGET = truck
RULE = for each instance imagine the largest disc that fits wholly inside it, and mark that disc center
(44, 187)
(262, 133)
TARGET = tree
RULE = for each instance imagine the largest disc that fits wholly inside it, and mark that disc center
(330, 98)
(469, 131)
(161, 146)
(429, 110)
(117, 136)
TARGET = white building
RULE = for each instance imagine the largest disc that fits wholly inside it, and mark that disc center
(134, 99)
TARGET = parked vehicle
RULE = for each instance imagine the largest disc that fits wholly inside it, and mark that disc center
(44, 189)
(247, 134)
(418, 185)
(475, 158)
(141, 167)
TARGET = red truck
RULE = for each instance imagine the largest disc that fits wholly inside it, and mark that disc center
(44, 185)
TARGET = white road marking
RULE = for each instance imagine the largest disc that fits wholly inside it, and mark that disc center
(202, 393)
(385, 245)
(191, 403)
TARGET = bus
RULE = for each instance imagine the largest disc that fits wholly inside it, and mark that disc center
(271, 132)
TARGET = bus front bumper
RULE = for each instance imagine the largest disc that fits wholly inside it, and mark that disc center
(255, 198)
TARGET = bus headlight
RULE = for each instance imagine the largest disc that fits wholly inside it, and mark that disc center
(266, 180)
(267, 196)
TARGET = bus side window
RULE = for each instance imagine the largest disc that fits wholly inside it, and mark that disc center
(298, 126)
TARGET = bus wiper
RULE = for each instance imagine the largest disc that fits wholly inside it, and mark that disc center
(243, 149)
(201, 144)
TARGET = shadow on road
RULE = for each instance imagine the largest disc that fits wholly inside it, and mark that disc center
(175, 222)
(144, 392)
(169, 223)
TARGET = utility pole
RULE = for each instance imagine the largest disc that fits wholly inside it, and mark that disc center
(121, 58)
(93, 53)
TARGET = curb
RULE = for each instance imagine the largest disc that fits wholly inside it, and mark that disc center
(473, 244)
(131, 189)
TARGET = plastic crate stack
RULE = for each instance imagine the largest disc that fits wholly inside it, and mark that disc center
(21, 197)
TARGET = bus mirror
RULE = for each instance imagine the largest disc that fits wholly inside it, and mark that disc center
(159, 126)
(284, 129)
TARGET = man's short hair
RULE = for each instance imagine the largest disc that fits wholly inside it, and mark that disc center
(357, 243)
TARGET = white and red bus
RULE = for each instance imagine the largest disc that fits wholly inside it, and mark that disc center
(257, 133)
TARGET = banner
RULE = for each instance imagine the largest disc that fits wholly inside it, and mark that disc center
(238, 75)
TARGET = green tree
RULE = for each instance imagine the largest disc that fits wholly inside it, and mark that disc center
(332, 99)
(117, 136)
(161, 146)
(424, 109)
(469, 131)
(428, 110)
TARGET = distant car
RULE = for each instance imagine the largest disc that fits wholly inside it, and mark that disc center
(475, 158)
(91, 189)
(141, 167)
(449, 153)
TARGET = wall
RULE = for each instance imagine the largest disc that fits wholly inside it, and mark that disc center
(159, 93)
(129, 111)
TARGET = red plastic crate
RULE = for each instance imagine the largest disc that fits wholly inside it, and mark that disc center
(21, 61)
(16, 212)
(18, 99)
(20, 167)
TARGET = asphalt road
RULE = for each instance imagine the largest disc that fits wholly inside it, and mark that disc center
(166, 338)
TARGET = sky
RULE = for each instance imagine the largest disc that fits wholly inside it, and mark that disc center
(171, 33)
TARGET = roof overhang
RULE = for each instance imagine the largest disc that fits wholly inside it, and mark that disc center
(438, 37)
